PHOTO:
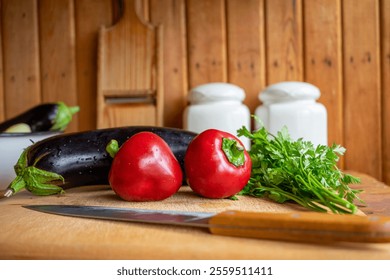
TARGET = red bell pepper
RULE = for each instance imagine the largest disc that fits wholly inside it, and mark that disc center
(217, 164)
(144, 169)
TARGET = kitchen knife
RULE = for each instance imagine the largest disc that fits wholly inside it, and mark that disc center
(302, 226)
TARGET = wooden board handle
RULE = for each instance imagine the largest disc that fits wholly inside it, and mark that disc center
(307, 227)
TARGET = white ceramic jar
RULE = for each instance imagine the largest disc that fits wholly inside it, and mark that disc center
(293, 104)
(219, 106)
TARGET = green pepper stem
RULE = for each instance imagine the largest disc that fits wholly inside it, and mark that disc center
(233, 151)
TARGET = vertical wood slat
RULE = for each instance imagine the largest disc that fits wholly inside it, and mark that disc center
(2, 96)
(89, 16)
(206, 42)
(246, 48)
(20, 56)
(58, 54)
(323, 59)
(362, 108)
(284, 40)
(171, 16)
(144, 9)
(385, 58)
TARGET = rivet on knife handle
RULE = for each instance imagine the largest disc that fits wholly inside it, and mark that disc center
(307, 227)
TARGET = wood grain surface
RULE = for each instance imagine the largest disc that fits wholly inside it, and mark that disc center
(246, 66)
(172, 17)
(323, 60)
(130, 68)
(207, 59)
(284, 44)
(2, 114)
(362, 87)
(57, 42)
(21, 64)
(385, 58)
(340, 46)
(99, 14)
(26, 234)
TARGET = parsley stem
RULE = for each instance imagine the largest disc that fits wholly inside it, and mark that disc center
(283, 170)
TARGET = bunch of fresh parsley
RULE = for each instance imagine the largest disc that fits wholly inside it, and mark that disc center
(286, 170)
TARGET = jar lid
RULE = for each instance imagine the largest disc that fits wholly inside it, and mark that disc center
(213, 92)
(289, 91)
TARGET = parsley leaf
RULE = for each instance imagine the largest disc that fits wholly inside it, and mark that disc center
(286, 170)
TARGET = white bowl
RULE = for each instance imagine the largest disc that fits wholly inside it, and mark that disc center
(11, 147)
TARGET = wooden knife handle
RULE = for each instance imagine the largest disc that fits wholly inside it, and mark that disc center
(305, 226)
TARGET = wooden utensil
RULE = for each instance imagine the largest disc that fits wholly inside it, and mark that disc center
(303, 227)
(130, 83)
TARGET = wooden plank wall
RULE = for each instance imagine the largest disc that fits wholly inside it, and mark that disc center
(48, 53)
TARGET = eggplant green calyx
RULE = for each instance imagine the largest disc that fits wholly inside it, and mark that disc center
(33, 179)
(63, 116)
(233, 151)
(112, 148)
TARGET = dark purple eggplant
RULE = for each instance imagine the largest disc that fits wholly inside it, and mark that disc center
(80, 159)
(43, 117)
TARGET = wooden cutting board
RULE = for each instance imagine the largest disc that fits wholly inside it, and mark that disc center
(26, 234)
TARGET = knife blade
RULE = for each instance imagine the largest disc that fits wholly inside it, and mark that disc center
(296, 226)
